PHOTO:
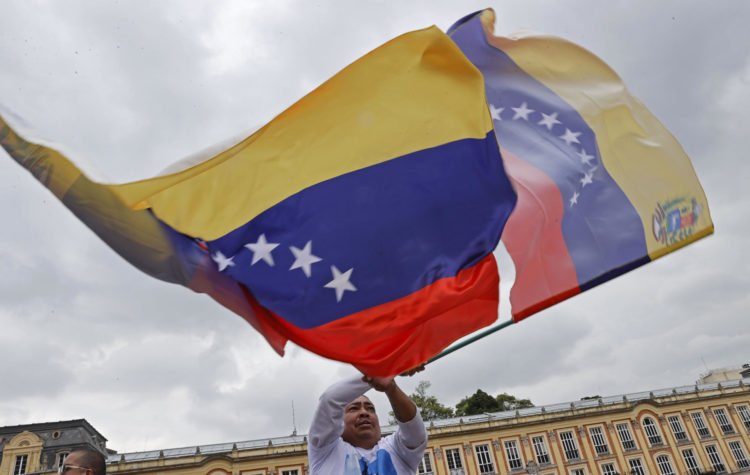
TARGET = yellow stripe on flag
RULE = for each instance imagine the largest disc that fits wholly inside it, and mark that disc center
(415, 92)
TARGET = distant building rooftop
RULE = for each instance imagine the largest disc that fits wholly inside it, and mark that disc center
(724, 374)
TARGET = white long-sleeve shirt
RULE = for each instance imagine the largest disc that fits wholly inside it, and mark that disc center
(396, 454)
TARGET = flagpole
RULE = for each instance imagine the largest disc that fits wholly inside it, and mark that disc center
(474, 338)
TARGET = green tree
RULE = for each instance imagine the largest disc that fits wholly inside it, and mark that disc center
(509, 403)
(586, 398)
(429, 407)
(478, 403)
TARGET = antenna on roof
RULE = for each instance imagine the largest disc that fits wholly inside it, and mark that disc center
(294, 421)
(704, 364)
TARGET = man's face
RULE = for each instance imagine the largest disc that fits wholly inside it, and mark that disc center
(361, 426)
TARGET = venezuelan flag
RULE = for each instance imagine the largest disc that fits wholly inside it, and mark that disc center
(359, 223)
(603, 187)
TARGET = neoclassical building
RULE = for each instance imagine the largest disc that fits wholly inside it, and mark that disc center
(39, 448)
(697, 429)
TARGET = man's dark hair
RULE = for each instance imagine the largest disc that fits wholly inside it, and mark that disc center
(93, 459)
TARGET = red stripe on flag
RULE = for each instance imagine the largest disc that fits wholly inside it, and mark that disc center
(396, 336)
(545, 273)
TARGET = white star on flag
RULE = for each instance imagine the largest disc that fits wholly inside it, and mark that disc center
(340, 282)
(585, 157)
(549, 120)
(222, 261)
(570, 137)
(304, 258)
(522, 112)
(496, 111)
(262, 250)
(587, 179)
(574, 198)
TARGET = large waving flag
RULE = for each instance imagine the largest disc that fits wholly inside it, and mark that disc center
(602, 186)
(359, 223)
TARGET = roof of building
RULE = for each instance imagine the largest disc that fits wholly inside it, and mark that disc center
(451, 422)
(44, 426)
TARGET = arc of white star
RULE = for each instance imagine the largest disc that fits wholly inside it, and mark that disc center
(587, 179)
(222, 261)
(262, 250)
(522, 112)
(574, 198)
(549, 120)
(570, 137)
(585, 157)
(304, 258)
(496, 111)
(340, 282)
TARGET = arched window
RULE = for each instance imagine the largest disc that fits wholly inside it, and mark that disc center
(654, 438)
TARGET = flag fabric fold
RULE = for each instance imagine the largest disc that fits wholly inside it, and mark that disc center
(359, 223)
(603, 187)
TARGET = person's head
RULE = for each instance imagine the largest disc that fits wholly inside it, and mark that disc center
(83, 462)
(361, 426)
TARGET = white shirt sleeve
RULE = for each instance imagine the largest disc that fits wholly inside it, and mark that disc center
(413, 434)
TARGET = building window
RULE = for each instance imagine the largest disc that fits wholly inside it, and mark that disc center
(609, 469)
(739, 454)
(713, 456)
(61, 458)
(651, 431)
(453, 457)
(721, 417)
(636, 467)
(600, 444)
(20, 467)
(626, 438)
(425, 465)
(700, 425)
(290, 472)
(540, 450)
(511, 451)
(665, 466)
(578, 471)
(569, 446)
(745, 416)
(677, 429)
(689, 457)
(484, 459)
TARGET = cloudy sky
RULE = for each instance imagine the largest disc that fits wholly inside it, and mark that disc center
(130, 87)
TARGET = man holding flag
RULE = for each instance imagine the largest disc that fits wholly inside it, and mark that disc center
(345, 433)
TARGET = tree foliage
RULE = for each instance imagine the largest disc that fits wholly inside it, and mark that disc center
(509, 403)
(586, 398)
(481, 402)
(429, 406)
(478, 403)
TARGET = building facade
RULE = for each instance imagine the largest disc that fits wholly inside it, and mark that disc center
(686, 430)
(39, 448)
